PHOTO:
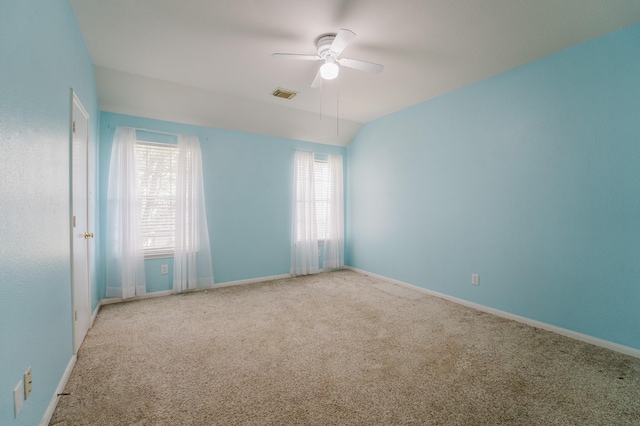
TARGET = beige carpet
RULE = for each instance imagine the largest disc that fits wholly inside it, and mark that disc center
(337, 348)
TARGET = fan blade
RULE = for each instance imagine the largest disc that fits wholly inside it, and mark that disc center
(343, 38)
(361, 65)
(317, 82)
(295, 56)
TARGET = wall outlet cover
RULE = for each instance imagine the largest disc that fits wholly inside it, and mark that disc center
(475, 279)
(164, 269)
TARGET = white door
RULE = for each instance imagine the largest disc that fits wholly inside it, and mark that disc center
(80, 223)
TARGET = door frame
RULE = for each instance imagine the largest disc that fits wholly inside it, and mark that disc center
(75, 100)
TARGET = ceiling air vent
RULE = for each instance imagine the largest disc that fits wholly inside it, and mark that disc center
(284, 93)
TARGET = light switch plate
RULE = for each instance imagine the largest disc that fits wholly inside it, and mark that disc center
(28, 384)
(18, 398)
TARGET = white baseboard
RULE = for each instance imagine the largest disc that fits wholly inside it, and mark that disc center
(54, 401)
(95, 314)
(111, 300)
(163, 293)
(252, 280)
(558, 330)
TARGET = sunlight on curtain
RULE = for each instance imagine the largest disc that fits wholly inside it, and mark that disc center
(304, 237)
(192, 265)
(125, 255)
(333, 256)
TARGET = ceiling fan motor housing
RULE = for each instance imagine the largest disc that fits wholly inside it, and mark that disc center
(323, 44)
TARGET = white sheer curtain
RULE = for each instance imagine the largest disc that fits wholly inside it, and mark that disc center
(304, 235)
(333, 256)
(192, 265)
(125, 255)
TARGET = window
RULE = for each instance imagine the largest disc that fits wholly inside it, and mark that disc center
(318, 213)
(157, 187)
(322, 180)
(322, 184)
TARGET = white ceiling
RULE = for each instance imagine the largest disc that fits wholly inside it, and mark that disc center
(208, 62)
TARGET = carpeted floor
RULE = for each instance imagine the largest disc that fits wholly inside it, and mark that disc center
(337, 348)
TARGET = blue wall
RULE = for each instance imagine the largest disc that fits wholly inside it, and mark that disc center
(248, 191)
(43, 57)
(530, 178)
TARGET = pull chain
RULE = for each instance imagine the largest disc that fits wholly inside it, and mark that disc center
(338, 106)
(321, 98)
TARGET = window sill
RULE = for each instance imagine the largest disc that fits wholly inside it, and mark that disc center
(158, 256)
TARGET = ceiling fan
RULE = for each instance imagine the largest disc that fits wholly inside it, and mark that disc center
(329, 48)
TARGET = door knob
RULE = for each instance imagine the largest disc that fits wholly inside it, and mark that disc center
(88, 235)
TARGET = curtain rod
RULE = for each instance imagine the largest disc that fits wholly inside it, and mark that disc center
(312, 152)
(156, 131)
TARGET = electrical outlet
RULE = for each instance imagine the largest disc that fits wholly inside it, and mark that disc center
(164, 269)
(475, 279)
(18, 398)
(28, 384)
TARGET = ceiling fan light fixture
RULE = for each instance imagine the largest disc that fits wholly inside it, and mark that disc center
(329, 70)
(329, 47)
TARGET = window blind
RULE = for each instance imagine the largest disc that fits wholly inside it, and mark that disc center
(322, 189)
(322, 177)
(157, 185)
